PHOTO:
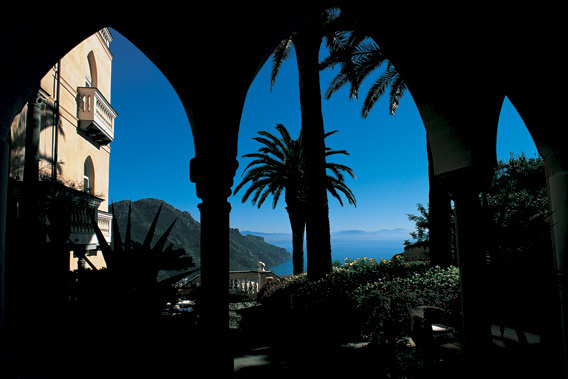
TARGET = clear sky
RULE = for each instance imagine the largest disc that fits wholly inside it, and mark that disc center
(153, 145)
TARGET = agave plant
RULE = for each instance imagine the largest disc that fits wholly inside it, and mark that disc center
(131, 277)
(142, 256)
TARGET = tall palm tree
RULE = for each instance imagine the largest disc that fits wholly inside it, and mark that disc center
(306, 40)
(278, 166)
(358, 56)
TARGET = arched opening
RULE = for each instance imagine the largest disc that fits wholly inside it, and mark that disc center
(81, 191)
(387, 154)
(518, 235)
(512, 134)
(92, 79)
(89, 176)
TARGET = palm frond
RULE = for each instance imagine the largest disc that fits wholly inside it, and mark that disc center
(329, 133)
(287, 141)
(281, 53)
(342, 78)
(276, 196)
(366, 59)
(334, 193)
(329, 152)
(398, 89)
(337, 169)
(270, 174)
(333, 185)
(265, 161)
(258, 186)
(377, 90)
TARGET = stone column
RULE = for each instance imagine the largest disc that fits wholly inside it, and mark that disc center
(558, 202)
(213, 182)
(472, 264)
(33, 129)
(4, 168)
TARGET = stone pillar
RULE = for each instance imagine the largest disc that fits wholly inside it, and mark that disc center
(558, 201)
(213, 184)
(4, 168)
(472, 264)
(33, 129)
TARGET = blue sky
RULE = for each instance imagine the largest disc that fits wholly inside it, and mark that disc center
(153, 145)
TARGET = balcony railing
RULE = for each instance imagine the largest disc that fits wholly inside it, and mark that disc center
(82, 232)
(95, 114)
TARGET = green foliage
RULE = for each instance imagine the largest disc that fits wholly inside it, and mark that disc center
(421, 222)
(517, 208)
(387, 301)
(369, 299)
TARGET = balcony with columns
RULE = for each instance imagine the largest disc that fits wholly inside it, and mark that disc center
(96, 115)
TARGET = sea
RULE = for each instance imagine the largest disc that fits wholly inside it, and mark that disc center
(346, 248)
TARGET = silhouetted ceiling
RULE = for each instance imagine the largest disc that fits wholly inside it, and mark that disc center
(458, 64)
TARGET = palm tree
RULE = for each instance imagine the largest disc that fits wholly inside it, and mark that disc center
(279, 166)
(306, 41)
(358, 56)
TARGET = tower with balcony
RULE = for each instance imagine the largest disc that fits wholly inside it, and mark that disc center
(59, 155)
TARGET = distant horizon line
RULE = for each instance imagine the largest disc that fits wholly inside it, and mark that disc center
(344, 231)
(287, 233)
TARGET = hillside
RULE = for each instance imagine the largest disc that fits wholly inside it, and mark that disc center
(244, 251)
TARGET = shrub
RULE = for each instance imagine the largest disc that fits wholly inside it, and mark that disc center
(385, 303)
(366, 298)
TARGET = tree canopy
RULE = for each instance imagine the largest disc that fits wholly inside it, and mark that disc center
(516, 208)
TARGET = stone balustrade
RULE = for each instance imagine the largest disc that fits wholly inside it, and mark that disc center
(240, 282)
(247, 282)
(82, 231)
(96, 116)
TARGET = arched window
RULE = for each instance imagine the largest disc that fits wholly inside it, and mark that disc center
(89, 176)
(93, 70)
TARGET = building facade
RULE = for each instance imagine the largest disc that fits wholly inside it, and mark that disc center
(60, 145)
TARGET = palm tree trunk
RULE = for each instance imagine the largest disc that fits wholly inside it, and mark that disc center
(307, 44)
(298, 225)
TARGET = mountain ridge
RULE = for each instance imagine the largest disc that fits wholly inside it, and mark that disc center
(244, 251)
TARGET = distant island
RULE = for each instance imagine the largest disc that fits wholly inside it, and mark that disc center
(244, 251)
(383, 234)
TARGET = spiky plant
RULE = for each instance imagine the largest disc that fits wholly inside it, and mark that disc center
(132, 267)
(142, 256)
